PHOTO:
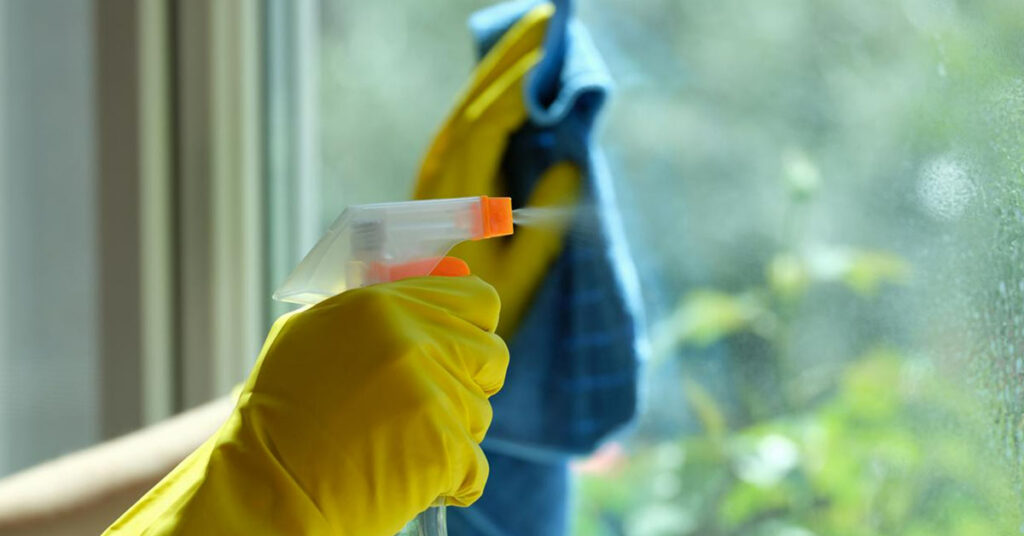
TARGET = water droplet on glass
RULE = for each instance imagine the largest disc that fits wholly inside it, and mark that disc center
(944, 187)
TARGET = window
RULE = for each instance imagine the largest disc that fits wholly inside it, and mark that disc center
(830, 230)
(824, 202)
(130, 239)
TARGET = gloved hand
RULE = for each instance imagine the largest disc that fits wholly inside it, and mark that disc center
(465, 158)
(360, 412)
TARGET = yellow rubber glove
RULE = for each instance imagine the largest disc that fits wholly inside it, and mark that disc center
(360, 412)
(465, 159)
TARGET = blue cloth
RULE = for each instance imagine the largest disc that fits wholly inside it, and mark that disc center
(572, 379)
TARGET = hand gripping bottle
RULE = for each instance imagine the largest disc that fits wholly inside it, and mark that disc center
(384, 242)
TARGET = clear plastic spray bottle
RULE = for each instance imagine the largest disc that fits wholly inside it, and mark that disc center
(389, 241)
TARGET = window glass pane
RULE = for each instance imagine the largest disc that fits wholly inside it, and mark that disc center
(824, 199)
(390, 72)
(824, 202)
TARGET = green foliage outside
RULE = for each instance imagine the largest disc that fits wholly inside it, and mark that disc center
(895, 444)
(837, 283)
(893, 449)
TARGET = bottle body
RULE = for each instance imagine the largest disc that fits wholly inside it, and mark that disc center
(430, 522)
(383, 242)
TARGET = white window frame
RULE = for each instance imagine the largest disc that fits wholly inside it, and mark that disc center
(179, 151)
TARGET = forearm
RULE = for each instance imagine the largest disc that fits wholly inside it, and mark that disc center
(83, 492)
(232, 484)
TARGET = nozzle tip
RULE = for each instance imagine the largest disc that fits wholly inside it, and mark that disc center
(497, 216)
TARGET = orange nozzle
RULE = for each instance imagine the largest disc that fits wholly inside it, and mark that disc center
(451, 267)
(496, 213)
(446, 266)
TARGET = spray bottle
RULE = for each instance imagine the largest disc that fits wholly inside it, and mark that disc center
(384, 242)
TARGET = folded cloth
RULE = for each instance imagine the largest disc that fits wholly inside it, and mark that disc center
(574, 380)
(573, 375)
